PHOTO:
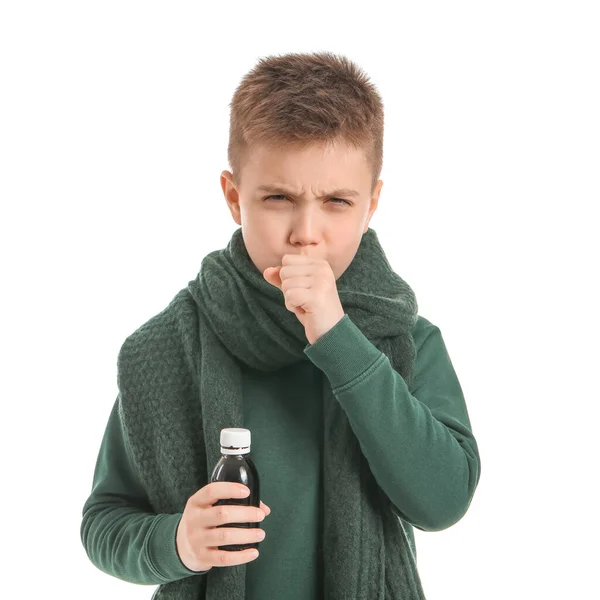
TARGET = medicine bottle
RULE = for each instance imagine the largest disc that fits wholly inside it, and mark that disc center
(235, 465)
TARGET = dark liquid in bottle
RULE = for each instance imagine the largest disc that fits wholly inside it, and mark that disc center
(238, 468)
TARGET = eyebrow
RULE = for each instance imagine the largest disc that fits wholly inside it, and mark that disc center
(279, 189)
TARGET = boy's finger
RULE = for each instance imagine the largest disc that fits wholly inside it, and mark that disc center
(265, 508)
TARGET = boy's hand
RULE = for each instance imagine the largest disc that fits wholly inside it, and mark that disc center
(198, 535)
(310, 292)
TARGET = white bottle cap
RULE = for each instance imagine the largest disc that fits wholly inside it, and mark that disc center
(235, 440)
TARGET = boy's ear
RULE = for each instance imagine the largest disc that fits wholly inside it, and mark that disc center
(373, 204)
(227, 184)
(231, 196)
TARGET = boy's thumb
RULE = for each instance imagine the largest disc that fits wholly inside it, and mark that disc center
(271, 274)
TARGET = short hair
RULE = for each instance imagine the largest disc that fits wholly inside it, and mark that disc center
(299, 99)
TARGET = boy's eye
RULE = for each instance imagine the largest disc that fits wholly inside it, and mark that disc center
(334, 200)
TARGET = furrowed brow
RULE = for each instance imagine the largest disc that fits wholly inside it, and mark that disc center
(280, 189)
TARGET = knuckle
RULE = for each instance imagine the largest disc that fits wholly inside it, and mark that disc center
(224, 535)
(224, 558)
(222, 513)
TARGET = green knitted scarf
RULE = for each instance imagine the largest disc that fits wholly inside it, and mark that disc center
(241, 317)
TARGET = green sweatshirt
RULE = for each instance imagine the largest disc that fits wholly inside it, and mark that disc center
(418, 443)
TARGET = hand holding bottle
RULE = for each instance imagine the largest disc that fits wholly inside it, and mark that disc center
(199, 533)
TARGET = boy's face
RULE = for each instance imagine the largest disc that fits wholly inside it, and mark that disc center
(298, 211)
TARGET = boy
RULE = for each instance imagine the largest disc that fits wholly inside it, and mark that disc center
(300, 331)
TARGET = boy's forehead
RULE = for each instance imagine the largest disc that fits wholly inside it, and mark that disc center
(320, 167)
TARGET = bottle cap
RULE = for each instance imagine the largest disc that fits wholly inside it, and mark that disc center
(235, 440)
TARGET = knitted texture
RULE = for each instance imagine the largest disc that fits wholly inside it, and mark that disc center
(180, 384)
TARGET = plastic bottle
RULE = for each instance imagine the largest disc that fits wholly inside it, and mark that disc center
(236, 465)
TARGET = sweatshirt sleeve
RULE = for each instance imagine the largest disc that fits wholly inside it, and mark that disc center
(419, 443)
(121, 534)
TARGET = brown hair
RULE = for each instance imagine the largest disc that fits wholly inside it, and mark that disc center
(300, 99)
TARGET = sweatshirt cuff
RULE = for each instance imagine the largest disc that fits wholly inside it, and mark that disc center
(162, 549)
(343, 353)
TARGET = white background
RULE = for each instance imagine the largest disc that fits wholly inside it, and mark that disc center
(113, 133)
